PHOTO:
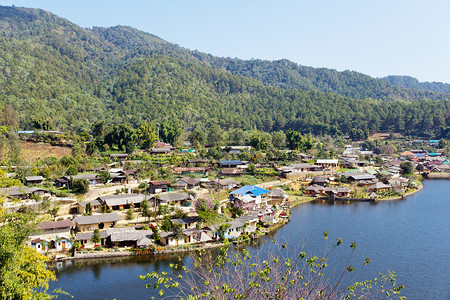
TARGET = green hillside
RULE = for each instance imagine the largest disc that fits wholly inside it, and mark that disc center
(58, 75)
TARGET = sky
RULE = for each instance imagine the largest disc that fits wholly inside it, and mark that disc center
(375, 37)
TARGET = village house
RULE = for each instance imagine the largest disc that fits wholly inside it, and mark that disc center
(128, 237)
(34, 180)
(190, 170)
(87, 238)
(223, 184)
(232, 172)
(42, 245)
(359, 177)
(233, 231)
(327, 163)
(337, 191)
(22, 193)
(54, 229)
(186, 223)
(89, 223)
(96, 206)
(251, 195)
(158, 186)
(117, 202)
(180, 199)
(304, 167)
(92, 178)
(187, 183)
(277, 197)
(159, 151)
(55, 243)
(320, 180)
(314, 190)
(379, 187)
(230, 163)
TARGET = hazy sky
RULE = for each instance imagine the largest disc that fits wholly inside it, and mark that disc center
(376, 37)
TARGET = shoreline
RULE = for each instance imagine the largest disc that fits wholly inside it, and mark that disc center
(188, 248)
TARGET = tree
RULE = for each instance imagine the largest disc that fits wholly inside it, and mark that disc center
(54, 211)
(279, 139)
(91, 148)
(177, 230)
(258, 141)
(222, 230)
(407, 167)
(105, 177)
(122, 136)
(197, 137)
(274, 274)
(88, 209)
(72, 170)
(144, 207)
(156, 233)
(99, 129)
(129, 214)
(96, 237)
(147, 135)
(81, 186)
(23, 271)
(215, 136)
(170, 132)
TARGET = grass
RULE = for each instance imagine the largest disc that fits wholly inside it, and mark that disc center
(36, 151)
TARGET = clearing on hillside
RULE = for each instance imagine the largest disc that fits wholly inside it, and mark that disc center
(37, 151)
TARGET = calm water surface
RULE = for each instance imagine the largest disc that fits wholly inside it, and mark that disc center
(409, 236)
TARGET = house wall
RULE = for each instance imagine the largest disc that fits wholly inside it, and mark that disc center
(91, 227)
(59, 245)
(40, 247)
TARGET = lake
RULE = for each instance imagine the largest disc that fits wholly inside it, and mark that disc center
(410, 236)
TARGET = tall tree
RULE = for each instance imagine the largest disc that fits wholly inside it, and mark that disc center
(147, 135)
(170, 132)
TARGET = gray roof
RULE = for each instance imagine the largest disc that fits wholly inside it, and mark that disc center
(15, 190)
(188, 220)
(92, 176)
(173, 197)
(362, 177)
(301, 166)
(144, 241)
(337, 189)
(277, 193)
(34, 178)
(90, 235)
(127, 234)
(122, 199)
(95, 219)
(314, 187)
(91, 202)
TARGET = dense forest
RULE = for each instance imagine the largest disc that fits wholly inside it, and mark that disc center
(413, 83)
(57, 75)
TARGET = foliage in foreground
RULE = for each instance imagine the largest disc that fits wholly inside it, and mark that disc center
(23, 271)
(280, 275)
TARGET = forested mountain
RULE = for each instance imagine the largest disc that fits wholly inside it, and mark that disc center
(58, 75)
(413, 83)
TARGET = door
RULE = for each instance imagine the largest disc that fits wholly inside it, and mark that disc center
(63, 245)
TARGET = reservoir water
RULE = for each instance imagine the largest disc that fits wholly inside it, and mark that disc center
(410, 236)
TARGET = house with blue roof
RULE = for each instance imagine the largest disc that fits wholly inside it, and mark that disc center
(251, 195)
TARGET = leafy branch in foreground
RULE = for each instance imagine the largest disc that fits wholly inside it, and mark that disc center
(275, 274)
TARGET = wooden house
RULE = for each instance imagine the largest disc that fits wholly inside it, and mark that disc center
(158, 186)
(89, 223)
